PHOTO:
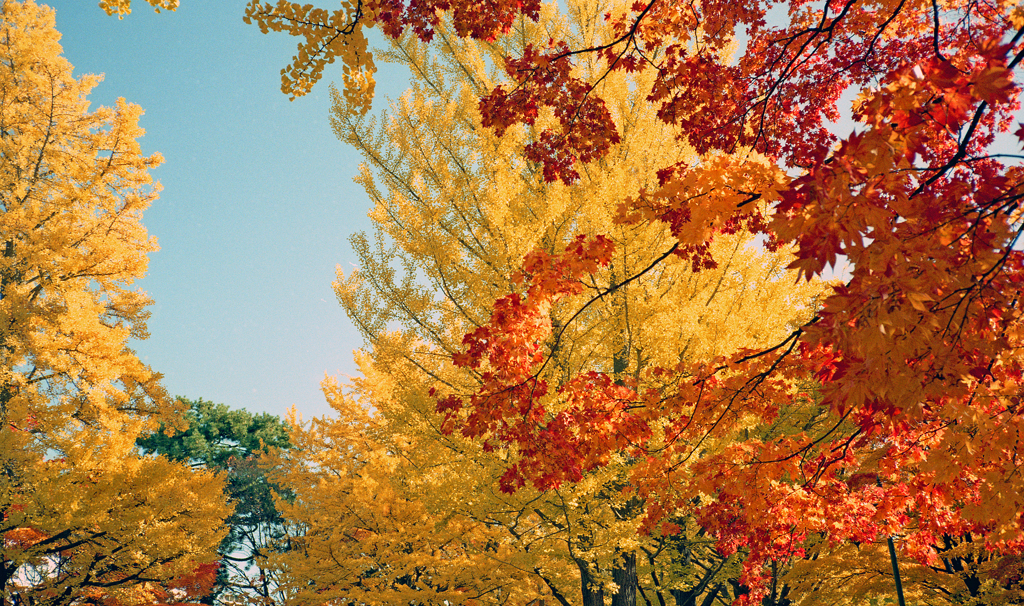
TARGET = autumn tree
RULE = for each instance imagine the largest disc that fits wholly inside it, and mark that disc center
(918, 349)
(231, 442)
(393, 504)
(84, 517)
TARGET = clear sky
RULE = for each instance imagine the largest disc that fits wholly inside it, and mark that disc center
(257, 206)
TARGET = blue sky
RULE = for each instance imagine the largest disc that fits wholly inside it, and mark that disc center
(257, 206)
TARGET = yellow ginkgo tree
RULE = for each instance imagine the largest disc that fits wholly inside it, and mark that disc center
(82, 514)
(393, 506)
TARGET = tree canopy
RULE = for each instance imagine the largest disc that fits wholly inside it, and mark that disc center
(916, 352)
(907, 373)
(392, 506)
(83, 517)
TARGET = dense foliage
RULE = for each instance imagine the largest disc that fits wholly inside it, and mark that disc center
(83, 517)
(392, 506)
(915, 354)
(908, 371)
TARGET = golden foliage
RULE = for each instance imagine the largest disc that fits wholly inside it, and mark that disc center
(327, 36)
(73, 396)
(391, 506)
(124, 7)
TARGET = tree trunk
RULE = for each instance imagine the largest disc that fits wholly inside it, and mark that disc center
(593, 593)
(624, 575)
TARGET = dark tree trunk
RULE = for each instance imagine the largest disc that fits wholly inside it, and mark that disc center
(593, 593)
(624, 575)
